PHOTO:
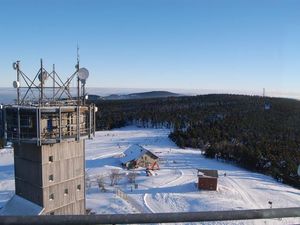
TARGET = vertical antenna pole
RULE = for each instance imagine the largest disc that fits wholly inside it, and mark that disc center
(42, 81)
(78, 97)
(78, 81)
(18, 81)
(53, 82)
(78, 90)
(37, 126)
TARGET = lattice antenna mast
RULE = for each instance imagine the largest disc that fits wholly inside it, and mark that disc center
(36, 91)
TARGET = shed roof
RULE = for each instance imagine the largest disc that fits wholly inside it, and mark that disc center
(20, 206)
(207, 173)
(134, 152)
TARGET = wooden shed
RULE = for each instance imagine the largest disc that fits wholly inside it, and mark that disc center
(138, 156)
(207, 179)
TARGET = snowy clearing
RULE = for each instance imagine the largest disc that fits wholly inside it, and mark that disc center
(170, 189)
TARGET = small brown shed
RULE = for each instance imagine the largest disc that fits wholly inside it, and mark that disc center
(207, 179)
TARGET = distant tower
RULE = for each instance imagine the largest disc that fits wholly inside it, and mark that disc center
(267, 105)
(47, 127)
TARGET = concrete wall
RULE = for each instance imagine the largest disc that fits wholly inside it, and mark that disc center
(28, 172)
(67, 169)
(64, 163)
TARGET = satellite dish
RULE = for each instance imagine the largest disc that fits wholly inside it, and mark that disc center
(16, 84)
(298, 171)
(83, 74)
(43, 76)
(15, 65)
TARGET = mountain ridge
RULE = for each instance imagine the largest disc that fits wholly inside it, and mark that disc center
(137, 95)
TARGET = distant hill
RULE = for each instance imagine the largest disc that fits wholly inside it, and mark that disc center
(94, 97)
(142, 95)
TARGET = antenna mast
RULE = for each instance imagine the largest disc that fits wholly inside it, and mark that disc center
(42, 82)
(78, 80)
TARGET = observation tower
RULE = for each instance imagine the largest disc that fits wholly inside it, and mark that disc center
(48, 125)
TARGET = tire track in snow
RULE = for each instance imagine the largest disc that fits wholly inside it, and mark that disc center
(244, 194)
(146, 203)
(147, 198)
(172, 181)
(151, 204)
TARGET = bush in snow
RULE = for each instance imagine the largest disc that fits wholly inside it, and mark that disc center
(131, 177)
(115, 176)
(100, 183)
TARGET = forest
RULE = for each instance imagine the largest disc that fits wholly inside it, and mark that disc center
(258, 133)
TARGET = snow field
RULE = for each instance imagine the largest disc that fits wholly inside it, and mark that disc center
(172, 188)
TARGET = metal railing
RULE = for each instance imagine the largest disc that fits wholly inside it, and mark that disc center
(144, 218)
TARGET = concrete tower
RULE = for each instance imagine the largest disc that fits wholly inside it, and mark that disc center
(48, 137)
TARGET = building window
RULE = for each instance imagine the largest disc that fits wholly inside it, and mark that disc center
(49, 125)
(51, 196)
(66, 191)
(51, 213)
(78, 187)
(51, 177)
(51, 158)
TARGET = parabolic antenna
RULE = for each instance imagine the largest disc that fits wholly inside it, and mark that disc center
(83, 74)
(15, 65)
(43, 76)
(16, 84)
(298, 171)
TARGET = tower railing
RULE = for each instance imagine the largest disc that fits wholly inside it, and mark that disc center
(146, 218)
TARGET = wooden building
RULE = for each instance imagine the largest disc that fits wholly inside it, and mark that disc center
(207, 179)
(137, 156)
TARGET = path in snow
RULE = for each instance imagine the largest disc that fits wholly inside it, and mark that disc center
(244, 193)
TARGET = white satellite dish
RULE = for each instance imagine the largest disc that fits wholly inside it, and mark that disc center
(16, 84)
(83, 74)
(298, 171)
(15, 65)
(43, 76)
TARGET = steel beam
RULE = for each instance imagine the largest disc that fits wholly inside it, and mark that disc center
(144, 218)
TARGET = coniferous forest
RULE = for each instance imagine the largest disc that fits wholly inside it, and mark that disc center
(260, 134)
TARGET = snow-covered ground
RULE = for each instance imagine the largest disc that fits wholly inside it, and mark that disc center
(172, 188)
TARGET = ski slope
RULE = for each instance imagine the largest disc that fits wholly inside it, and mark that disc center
(172, 188)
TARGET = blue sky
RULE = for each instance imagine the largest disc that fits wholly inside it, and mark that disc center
(187, 44)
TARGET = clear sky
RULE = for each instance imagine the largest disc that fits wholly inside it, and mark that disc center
(188, 44)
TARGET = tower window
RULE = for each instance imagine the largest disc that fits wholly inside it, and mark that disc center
(51, 158)
(51, 196)
(49, 125)
(66, 191)
(78, 187)
(51, 177)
